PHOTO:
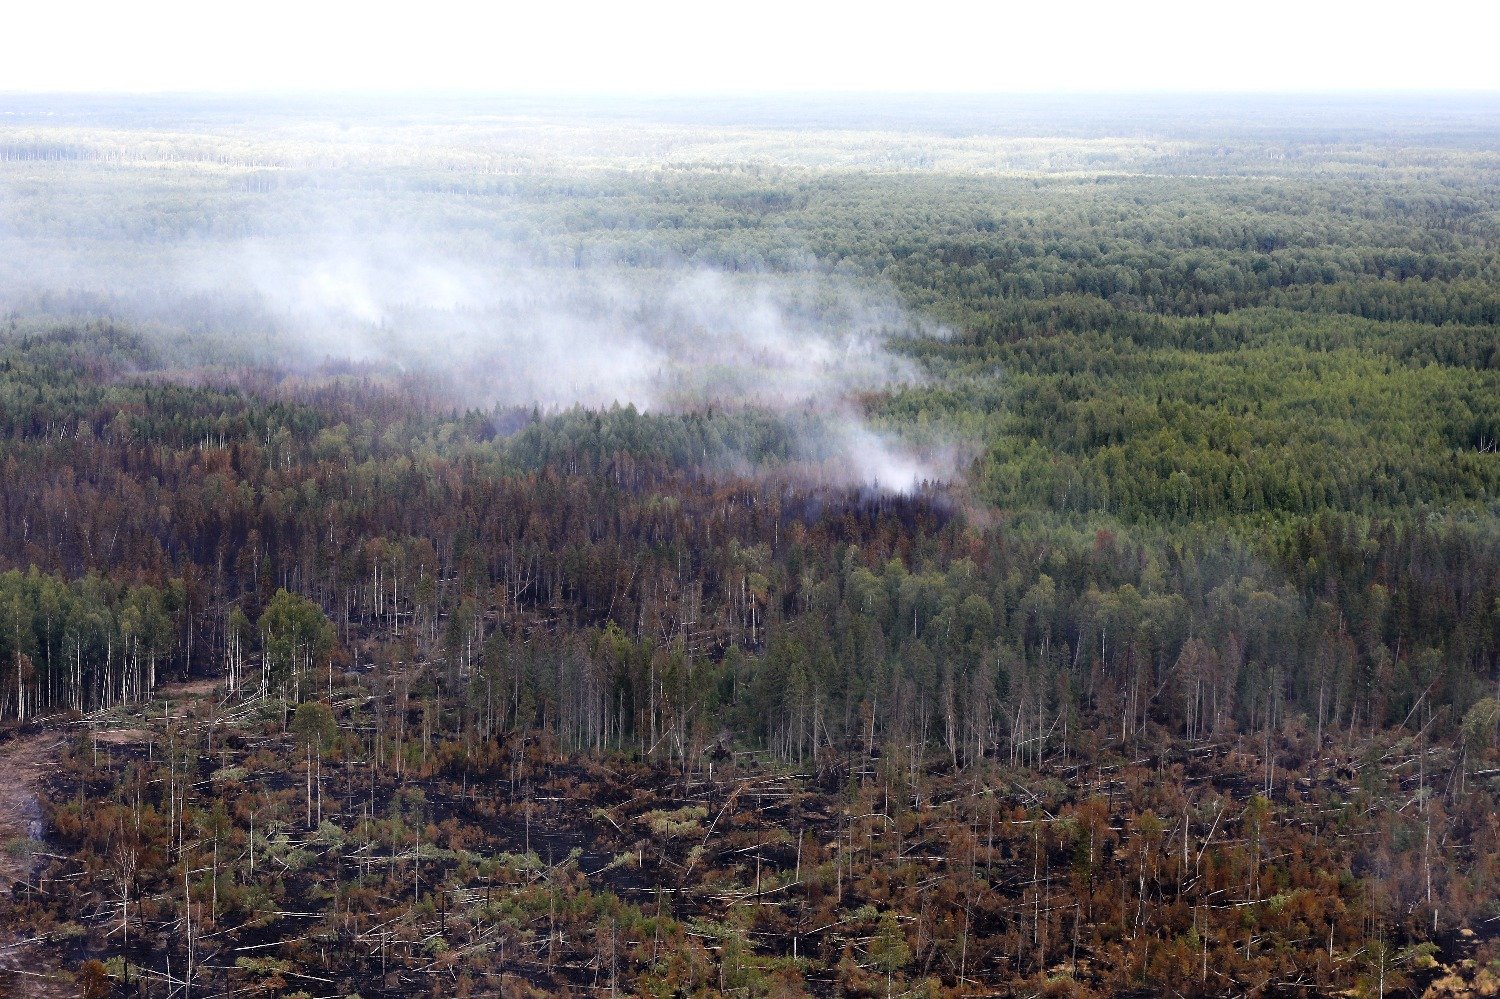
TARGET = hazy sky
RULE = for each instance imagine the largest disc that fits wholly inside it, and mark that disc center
(688, 46)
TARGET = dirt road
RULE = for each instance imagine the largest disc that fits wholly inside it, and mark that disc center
(23, 762)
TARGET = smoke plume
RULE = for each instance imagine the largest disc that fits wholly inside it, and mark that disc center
(500, 321)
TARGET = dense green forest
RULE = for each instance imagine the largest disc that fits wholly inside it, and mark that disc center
(366, 672)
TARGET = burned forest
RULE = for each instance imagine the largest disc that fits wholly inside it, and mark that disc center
(473, 548)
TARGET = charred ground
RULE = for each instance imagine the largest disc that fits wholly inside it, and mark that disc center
(1185, 683)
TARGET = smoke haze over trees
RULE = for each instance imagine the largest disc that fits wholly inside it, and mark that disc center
(859, 547)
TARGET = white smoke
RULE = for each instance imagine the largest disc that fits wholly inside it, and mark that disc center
(504, 327)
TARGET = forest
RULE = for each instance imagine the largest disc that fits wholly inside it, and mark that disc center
(1042, 550)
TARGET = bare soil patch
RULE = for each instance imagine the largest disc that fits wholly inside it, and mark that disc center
(24, 762)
